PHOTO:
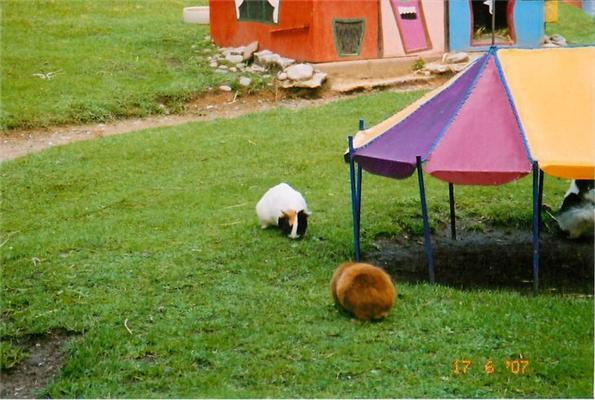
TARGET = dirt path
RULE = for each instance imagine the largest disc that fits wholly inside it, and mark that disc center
(213, 106)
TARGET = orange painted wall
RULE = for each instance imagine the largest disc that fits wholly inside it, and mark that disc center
(325, 11)
(304, 31)
(227, 31)
(574, 3)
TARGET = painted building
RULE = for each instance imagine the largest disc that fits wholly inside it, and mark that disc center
(412, 27)
(587, 6)
(519, 23)
(308, 30)
(335, 30)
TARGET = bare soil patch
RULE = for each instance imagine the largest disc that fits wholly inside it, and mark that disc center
(44, 359)
(207, 107)
(497, 258)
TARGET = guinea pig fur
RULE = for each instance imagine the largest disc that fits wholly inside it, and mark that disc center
(285, 207)
(364, 290)
(576, 216)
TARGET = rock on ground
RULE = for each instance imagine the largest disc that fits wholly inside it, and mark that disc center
(314, 82)
(435, 68)
(248, 59)
(267, 57)
(234, 58)
(257, 68)
(245, 81)
(455, 58)
(300, 72)
(249, 51)
(555, 40)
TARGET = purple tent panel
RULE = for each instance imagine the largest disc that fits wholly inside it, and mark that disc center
(392, 154)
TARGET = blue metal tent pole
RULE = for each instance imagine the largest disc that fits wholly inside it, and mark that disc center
(539, 216)
(362, 126)
(536, 210)
(353, 199)
(424, 214)
(451, 200)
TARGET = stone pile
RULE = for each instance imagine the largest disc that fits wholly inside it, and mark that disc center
(450, 63)
(555, 40)
(301, 76)
(247, 59)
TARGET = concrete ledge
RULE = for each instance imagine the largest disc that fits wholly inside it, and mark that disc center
(407, 81)
(372, 69)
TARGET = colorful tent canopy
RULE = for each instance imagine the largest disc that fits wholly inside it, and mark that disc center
(509, 113)
(487, 125)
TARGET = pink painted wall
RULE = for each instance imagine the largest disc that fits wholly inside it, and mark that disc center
(391, 38)
(412, 25)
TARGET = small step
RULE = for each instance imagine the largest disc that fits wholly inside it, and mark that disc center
(346, 85)
(373, 69)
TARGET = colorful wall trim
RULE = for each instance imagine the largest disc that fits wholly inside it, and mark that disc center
(307, 30)
(527, 24)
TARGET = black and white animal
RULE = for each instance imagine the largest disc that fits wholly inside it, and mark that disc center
(577, 213)
(285, 207)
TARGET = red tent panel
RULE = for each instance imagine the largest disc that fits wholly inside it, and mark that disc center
(483, 145)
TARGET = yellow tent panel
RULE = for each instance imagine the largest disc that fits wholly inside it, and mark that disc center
(554, 94)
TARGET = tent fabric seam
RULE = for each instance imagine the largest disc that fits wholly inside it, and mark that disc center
(427, 103)
(514, 110)
(568, 46)
(460, 105)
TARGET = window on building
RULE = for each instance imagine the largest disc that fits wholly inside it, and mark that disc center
(482, 21)
(256, 10)
(349, 35)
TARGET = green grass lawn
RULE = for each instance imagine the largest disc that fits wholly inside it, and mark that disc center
(158, 228)
(111, 58)
(122, 58)
(574, 24)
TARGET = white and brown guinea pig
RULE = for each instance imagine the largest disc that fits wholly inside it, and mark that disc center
(285, 207)
(364, 290)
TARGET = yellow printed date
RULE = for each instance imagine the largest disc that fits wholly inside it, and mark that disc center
(515, 367)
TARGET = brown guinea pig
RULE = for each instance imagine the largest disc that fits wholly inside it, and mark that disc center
(364, 290)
